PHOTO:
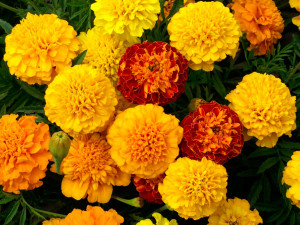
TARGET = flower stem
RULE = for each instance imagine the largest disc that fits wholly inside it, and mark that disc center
(163, 208)
(38, 211)
(8, 7)
(293, 72)
(135, 202)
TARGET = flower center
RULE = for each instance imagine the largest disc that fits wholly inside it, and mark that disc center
(147, 145)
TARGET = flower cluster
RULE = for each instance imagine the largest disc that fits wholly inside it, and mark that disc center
(265, 107)
(204, 33)
(262, 22)
(296, 4)
(152, 73)
(213, 131)
(24, 154)
(40, 47)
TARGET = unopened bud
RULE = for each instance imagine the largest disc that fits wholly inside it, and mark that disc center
(137, 202)
(195, 103)
(59, 146)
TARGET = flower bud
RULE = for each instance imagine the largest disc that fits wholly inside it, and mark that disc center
(59, 146)
(137, 202)
(195, 103)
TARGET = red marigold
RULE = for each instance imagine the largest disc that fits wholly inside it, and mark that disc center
(152, 73)
(213, 131)
(148, 188)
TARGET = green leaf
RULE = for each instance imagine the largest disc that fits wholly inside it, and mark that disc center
(12, 213)
(274, 217)
(262, 152)
(78, 13)
(81, 21)
(292, 219)
(32, 109)
(176, 6)
(78, 4)
(188, 93)
(268, 207)
(289, 145)
(267, 164)
(3, 95)
(283, 218)
(5, 26)
(31, 90)
(23, 216)
(218, 85)
(247, 173)
(3, 110)
(5, 200)
(255, 191)
(79, 59)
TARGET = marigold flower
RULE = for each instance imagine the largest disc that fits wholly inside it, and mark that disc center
(40, 47)
(152, 73)
(160, 220)
(125, 17)
(193, 188)
(52, 221)
(235, 211)
(80, 105)
(291, 177)
(296, 19)
(168, 5)
(204, 33)
(24, 154)
(89, 170)
(148, 188)
(265, 107)
(144, 140)
(213, 131)
(93, 216)
(103, 52)
(262, 22)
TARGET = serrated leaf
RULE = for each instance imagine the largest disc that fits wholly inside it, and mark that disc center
(81, 11)
(79, 59)
(23, 216)
(81, 21)
(175, 8)
(262, 152)
(5, 26)
(218, 85)
(32, 109)
(12, 212)
(255, 191)
(78, 4)
(31, 90)
(267, 164)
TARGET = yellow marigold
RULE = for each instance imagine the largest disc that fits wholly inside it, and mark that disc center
(126, 17)
(93, 216)
(52, 221)
(296, 19)
(193, 188)
(262, 22)
(204, 32)
(160, 220)
(89, 170)
(24, 154)
(144, 140)
(168, 6)
(291, 177)
(265, 107)
(80, 100)
(235, 211)
(40, 47)
(103, 51)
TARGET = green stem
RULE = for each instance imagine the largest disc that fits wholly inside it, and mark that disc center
(135, 202)
(38, 211)
(8, 7)
(34, 6)
(293, 72)
(163, 208)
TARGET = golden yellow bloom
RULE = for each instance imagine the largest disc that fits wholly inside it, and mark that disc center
(103, 51)
(168, 6)
(296, 19)
(235, 211)
(144, 140)
(193, 188)
(160, 220)
(291, 177)
(126, 17)
(24, 154)
(89, 170)
(262, 22)
(93, 216)
(204, 33)
(265, 107)
(80, 100)
(52, 221)
(40, 47)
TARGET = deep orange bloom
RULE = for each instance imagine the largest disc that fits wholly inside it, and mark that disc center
(148, 188)
(93, 216)
(262, 22)
(24, 154)
(213, 131)
(152, 73)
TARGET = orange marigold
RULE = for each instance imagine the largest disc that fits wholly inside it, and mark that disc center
(40, 47)
(213, 131)
(89, 170)
(24, 154)
(152, 73)
(52, 221)
(148, 188)
(262, 22)
(93, 216)
(144, 140)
